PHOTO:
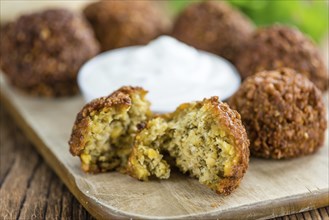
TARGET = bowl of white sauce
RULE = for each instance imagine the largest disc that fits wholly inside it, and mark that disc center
(170, 70)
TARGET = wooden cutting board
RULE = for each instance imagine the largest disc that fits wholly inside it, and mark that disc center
(270, 188)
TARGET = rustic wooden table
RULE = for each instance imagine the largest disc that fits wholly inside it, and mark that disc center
(29, 189)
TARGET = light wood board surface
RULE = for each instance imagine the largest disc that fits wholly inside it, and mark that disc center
(269, 188)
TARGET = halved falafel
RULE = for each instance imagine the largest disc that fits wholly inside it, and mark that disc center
(104, 130)
(205, 139)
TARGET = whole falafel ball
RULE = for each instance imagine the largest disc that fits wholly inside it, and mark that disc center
(215, 27)
(42, 52)
(125, 23)
(283, 113)
(280, 46)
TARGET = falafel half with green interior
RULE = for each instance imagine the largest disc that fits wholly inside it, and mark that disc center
(104, 130)
(206, 139)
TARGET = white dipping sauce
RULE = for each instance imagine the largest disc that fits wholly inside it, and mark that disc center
(170, 70)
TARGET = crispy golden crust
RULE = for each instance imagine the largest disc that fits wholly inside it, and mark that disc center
(283, 113)
(41, 53)
(230, 121)
(119, 99)
(125, 23)
(215, 27)
(279, 46)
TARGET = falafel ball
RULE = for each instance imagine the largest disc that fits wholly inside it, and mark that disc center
(205, 139)
(215, 27)
(42, 52)
(125, 23)
(283, 113)
(104, 130)
(279, 46)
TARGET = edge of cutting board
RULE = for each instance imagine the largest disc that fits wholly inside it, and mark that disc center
(262, 210)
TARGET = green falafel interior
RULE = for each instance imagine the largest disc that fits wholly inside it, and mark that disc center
(197, 137)
(205, 139)
(105, 129)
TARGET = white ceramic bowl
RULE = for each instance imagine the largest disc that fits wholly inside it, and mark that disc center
(102, 75)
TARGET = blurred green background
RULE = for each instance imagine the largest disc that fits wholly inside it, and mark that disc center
(310, 16)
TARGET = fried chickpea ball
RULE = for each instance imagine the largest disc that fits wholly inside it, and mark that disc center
(280, 46)
(283, 113)
(41, 53)
(205, 139)
(125, 23)
(104, 130)
(215, 27)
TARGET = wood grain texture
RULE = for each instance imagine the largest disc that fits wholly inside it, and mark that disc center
(22, 180)
(270, 188)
